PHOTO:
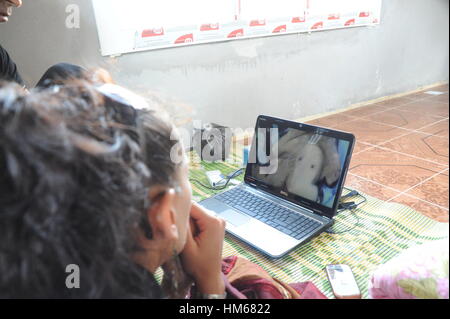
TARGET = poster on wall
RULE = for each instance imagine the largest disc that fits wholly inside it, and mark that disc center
(156, 24)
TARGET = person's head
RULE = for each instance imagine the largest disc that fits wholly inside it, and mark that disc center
(61, 73)
(89, 182)
(6, 7)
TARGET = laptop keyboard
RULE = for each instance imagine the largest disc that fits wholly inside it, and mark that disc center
(283, 219)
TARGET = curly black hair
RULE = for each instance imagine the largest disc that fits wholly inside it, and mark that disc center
(74, 181)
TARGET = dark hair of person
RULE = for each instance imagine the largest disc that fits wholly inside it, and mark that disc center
(74, 181)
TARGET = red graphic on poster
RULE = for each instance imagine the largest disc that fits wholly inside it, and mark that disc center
(236, 33)
(279, 29)
(318, 25)
(257, 23)
(350, 22)
(364, 14)
(153, 32)
(334, 16)
(187, 38)
(298, 19)
(209, 27)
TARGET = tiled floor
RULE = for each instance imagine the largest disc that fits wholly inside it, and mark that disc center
(402, 150)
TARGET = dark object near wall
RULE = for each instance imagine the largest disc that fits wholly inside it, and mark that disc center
(212, 142)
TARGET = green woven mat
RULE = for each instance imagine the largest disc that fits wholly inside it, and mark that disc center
(381, 231)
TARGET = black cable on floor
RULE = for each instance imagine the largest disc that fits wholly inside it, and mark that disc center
(351, 207)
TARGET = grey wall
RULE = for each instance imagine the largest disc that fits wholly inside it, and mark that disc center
(232, 82)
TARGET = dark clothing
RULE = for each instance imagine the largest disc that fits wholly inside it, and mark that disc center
(8, 69)
(53, 76)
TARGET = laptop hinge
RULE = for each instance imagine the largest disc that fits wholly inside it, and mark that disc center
(250, 184)
(322, 215)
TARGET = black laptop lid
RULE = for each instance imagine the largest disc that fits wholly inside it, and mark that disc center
(301, 163)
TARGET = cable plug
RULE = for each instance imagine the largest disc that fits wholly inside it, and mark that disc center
(351, 194)
(347, 205)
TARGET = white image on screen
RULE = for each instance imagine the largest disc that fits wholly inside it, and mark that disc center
(305, 161)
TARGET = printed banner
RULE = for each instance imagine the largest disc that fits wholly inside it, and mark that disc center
(214, 31)
(155, 24)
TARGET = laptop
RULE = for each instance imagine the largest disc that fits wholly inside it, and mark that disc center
(293, 181)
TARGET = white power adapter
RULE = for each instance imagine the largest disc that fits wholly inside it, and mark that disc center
(215, 178)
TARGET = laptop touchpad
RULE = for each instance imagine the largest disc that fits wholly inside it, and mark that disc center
(235, 218)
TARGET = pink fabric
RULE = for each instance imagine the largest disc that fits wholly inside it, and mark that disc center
(258, 289)
(419, 272)
(250, 281)
(308, 290)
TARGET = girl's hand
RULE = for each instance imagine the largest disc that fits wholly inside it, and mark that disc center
(202, 254)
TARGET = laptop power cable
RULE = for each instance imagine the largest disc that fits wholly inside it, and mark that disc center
(347, 206)
(352, 193)
(351, 207)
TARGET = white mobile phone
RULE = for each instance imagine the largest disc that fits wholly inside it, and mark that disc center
(343, 282)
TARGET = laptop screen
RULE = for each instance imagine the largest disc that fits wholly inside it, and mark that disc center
(302, 163)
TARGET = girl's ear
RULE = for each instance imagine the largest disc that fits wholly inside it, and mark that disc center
(158, 249)
(160, 215)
